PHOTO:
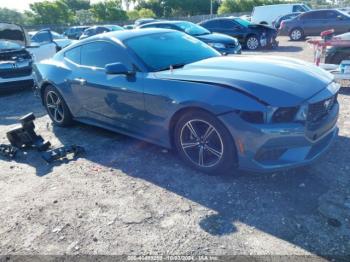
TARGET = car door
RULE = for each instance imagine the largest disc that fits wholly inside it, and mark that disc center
(42, 46)
(232, 28)
(338, 21)
(312, 23)
(113, 99)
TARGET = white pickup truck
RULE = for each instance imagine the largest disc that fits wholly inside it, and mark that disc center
(17, 56)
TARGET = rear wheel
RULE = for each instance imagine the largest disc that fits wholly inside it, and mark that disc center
(252, 42)
(337, 58)
(296, 34)
(204, 143)
(57, 107)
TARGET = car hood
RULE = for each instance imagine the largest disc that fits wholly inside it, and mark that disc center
(13, 33)
(275, 81)
(216, 38)
(260, 26)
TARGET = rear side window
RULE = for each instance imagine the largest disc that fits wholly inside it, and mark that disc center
(212, 24)
(73, 55)
(99, 54)
(42, 37)
(228, 24)
(298, 8)
(312, 16)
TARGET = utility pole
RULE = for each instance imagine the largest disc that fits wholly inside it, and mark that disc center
(211, 8)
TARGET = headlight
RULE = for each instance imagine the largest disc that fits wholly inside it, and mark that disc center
(217, 45)
(302, 113)
(273, 115)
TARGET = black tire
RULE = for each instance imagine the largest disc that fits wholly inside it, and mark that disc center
(252, 42)
(296, 34)
(63, 115)
(190, 147)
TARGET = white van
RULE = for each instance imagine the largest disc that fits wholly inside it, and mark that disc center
(266, 14)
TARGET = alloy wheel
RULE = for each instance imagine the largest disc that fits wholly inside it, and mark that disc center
(201, 143)
(252, 43)
(55, 106)
(296, 34)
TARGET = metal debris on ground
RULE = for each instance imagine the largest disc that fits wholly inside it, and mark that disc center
(8, 151)
(62, 152)
(25, 135)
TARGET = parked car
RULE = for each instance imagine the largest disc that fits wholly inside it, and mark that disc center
(75, 32)
(266, 14)
(223, 43)
(15, 60)
(169, 88)
(277, 22)
(129, 27)
(314, 22)
(251, 36)
(142, 21)
(99, 29)
(17, 55)
(46, 35)
(336, 54)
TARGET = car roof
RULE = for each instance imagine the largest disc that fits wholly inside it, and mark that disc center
(122, 35)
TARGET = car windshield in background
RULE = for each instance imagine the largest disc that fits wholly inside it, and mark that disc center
(160, 51)
(243, 22)
(344, 13)
(193, 29)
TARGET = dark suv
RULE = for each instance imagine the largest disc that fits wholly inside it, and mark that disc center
(312, 23)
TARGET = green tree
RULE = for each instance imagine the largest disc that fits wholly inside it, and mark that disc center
(47, 12)
(11, 16)
(75, 5)
(109, 10)
(84, 17)
(144, 12)
(133, 15)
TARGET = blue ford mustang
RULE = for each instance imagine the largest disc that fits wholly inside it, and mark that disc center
(168, 88)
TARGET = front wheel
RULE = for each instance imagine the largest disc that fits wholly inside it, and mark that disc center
(204, 143)
(252, 42)
(56, 107)
(296, 34)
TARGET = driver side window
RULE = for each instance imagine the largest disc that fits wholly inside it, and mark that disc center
(99, 54)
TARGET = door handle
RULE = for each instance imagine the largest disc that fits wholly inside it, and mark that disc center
(80, 81)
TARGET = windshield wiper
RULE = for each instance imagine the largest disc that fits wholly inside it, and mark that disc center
(171, 67)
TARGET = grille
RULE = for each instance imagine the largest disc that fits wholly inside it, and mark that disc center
(320, 109)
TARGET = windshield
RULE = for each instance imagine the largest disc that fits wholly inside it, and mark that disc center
(160, 51)
(192, 29)
(8, 45)
(343, 13)
(243, 22)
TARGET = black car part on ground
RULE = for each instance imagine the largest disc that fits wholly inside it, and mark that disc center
(62, 152)
(25, 136)
(8, 151)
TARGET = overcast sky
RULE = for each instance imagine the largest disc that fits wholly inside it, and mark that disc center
(21, 5)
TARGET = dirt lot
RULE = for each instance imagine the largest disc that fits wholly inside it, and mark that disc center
(129, 197)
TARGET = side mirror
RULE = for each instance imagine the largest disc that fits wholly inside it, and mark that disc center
(117, 69)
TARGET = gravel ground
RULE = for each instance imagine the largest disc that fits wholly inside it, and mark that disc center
(129, 197)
